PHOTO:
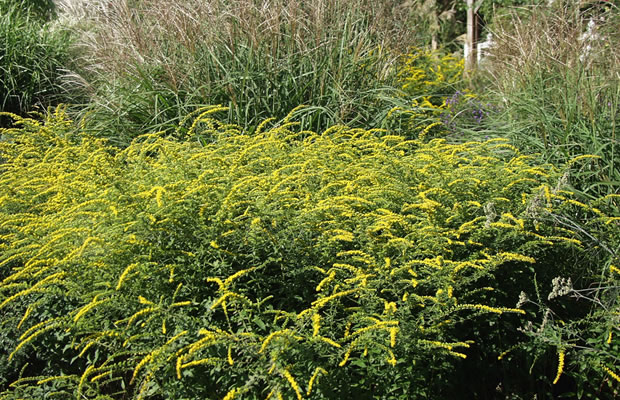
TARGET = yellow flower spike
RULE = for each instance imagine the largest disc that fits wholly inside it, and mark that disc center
(496, 310)
(55, 378)
(27, 314)
(321, 302)
(237, 274)
(347, 329)
(329, 341)
(560, 366)
(293, 383)
(290, 115)
(313, 378)
(262, 125)
(203, 361)
(316, 324)
(511, 217)
(159, 191)
(25, 341)
(94, 303)
(85, 375)
(145, 384)
(219, 282)
(124, 275)
(142, 363)
(582, 157)
(457, 354)
(101, 376)
(393, 333)
(37, 287)
(389, 307)
(611, 373)
(230, 360)
(222, 301)
(346, 357)
(80, 250)
(326, 281)
(140, 313)
(273, 335)
(378, 325)
(435, 343)
(271, 369)
(179, 363)
(507, 256)
(392, 359)
(232, 394)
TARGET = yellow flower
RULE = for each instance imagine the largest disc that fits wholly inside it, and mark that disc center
(232, 394)
(611, 373)
(292, 382)
(560, 366)
(315, 375)
(230, 360)
(316, 324)
(393, 332)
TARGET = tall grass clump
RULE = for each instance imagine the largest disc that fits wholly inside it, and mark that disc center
(279, 264)
(149, 63)
(32, 56)
(555, 71)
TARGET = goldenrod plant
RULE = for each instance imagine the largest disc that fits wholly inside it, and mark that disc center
(428, 80)
(287, 263)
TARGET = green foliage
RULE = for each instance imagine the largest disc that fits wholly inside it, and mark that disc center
(43, 10)
(32, 53)
(346, 264)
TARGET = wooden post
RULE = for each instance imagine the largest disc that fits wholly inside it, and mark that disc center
(471, 40)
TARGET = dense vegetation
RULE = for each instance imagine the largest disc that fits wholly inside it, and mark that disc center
(299, 199)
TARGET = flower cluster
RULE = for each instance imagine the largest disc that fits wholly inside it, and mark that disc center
(463, 109)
